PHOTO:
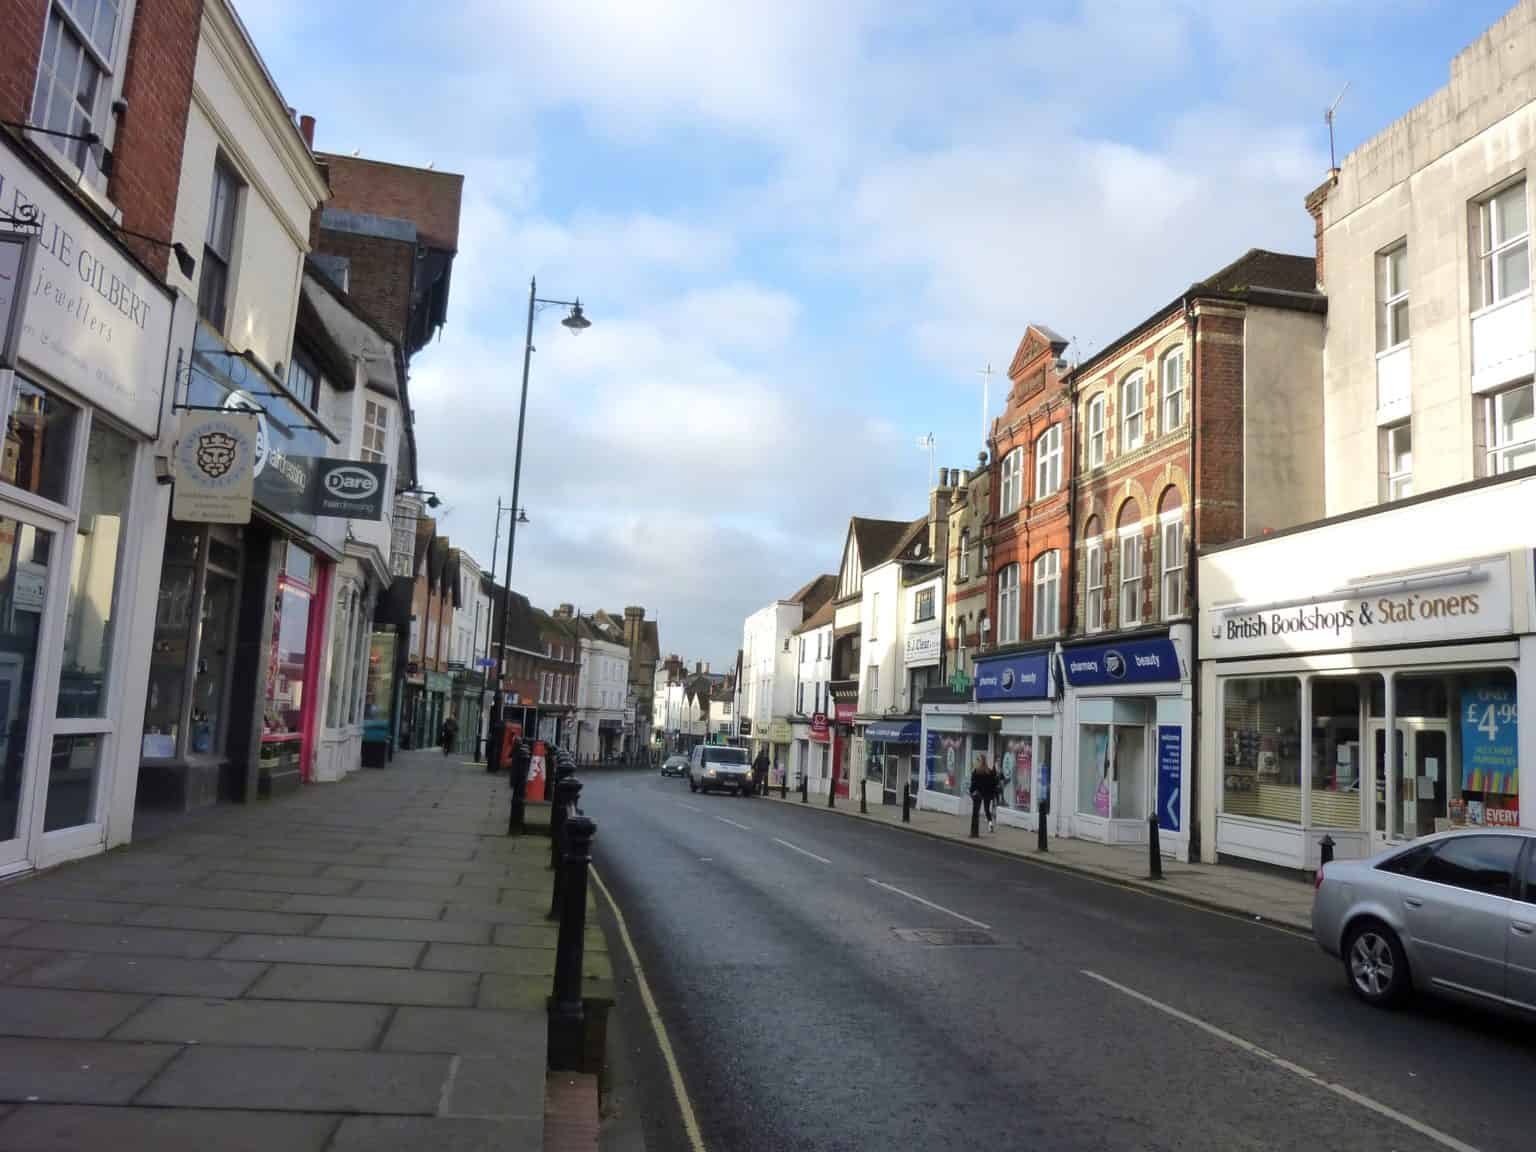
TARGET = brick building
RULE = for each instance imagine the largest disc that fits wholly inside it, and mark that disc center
(967, 589)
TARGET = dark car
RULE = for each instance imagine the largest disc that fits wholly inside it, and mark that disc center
(720, 767)
(675, 766)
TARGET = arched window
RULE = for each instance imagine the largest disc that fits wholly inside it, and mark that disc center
(1128, 528)
(1132, 398)
(1096, 420)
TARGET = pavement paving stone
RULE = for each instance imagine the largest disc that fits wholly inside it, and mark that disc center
(489, 958)
(76, 1128)
(25, 907)
(378, 874)
(225, 920)
(386, 928)
(192, 896)
(15, 962)
(35, 1069)
(441, 893)
(366, 985)
(64, 1015)
(468, 1032)
(441, 1134)
(353, 906)
(292, 1080)
(504, 1085)
(257, 882)
(8, 927)
(529, 913)
(323, 950)
(257, 1023)
(545, 935)
(263, 865)
(169, 975)
(514, 993)
(123, 939)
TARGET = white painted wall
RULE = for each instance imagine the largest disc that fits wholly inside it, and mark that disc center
(880, 625)
(814, 671)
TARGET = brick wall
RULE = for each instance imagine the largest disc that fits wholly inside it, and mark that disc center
(427, 198)
(380, 278)
(1219, 412)
(20, 49)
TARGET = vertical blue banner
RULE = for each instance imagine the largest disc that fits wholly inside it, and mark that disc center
(1170, 775)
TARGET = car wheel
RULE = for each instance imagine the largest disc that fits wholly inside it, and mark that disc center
(1376, 965)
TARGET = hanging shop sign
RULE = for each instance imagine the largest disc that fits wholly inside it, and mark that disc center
(922, 648)
(820, 731)
(746, 726)
(353, 489)
(1133, 662)
(213, 466)
(1170, 776)
(90, 317)
(16, 249)
(845, 711)
(778, 731)
(1021, 677)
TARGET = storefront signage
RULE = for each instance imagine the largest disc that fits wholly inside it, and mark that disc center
(923, 648)
(1170, 775)
(778, 731)
(1489, 748)
(1454, 609)
(746, 726)
(845, 711)
(1134, 662)
(380, 686)
(819, 730)
(214, 467)
(16, 250)
(91, 317)
(353, 489)
(1024, 677)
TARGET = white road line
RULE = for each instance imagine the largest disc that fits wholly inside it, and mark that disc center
(690, 807)
(802, 851)
(732, 823)
(1307, 1074)
(927, 903)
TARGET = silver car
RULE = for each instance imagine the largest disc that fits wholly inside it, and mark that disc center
(1453, 913)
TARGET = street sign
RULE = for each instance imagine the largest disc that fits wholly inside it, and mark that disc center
(214, 467)
(485, 662)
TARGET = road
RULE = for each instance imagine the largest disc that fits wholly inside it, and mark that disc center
(832, 984)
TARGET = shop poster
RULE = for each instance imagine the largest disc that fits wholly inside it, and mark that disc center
(1101, 758)
(1170, 774)
(1017, 767)
(1490, 751)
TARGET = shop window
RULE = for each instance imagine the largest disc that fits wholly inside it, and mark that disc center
(946, 765)
(1261, 748)
(1112, 771)
(74, 775)
(1337, 760)
(91, 611)
(341, 637)
(25, 553)
(1016, 770)
(39, 438)
(288, 668)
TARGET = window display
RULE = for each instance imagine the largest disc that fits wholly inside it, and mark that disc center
(25, 552)
(1016, 764)
(1336, 751)
(947, 768)
(288, 663)
(1112, 771)
(39, 437)
(1261, 749)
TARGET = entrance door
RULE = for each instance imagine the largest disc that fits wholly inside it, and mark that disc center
(891, 785)
(26, 551)
(1413, 795)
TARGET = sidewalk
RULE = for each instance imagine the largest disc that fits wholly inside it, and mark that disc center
(361, 965)
(1244, 891)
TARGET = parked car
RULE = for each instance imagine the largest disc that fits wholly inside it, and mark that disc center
(675, 766)
(1453, 913)
(720, 767)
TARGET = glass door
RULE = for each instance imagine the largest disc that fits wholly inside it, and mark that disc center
(1425, 789)
(1386, 786)
(26, 553)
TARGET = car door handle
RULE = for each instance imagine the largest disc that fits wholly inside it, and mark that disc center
(1523, 928)
(1412, 903)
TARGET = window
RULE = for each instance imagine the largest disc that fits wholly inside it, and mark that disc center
(1173, 390)
(1173, 567)
(1048, 462)
(1095, 607)
(1504, 233)
(965, 553)
(874, 615)
(1008, 605)
(74, 77)
(304, 380)
(924, 605)
(800, 698)
(1261, 749)
(1392, 298)
(1131, 389)
(218, 247)
(1476, 863)
(1096, 408)
(1048, 594)
(39, 441)
(872, 688)
(1397, 452)
(1407, 863)
(1511, 429)
(1130, 577)
(375, 432)
(1012, 493)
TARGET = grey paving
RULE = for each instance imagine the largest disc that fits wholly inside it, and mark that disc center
(225, 920)
(15, 962)
(380, 875)
(257, 882)
(62, 1014)
(496, 913)
(120, 939)
(264, 865)
(526, 935)
(521, 994)
(152, 974)
(366, 985)
(77, 1071)
(257, 1023)
(302, 1081)
(351, 906)
(385, 928)
(323, 950)
(7, 927)
(24, 907)
(488, 958)
(191, 896)
(410, 1134)
(467, 1031)
(443, 893)
(77, 1128)
(505, 1085)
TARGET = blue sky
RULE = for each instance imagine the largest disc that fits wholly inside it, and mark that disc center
(801, 230)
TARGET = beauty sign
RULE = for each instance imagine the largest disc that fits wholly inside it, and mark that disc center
(1489, 748)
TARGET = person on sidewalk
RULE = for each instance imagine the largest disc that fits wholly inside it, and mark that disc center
(450, 733)
(760, 772)
(984, 783)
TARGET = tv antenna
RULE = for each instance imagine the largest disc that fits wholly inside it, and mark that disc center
(1333, 164)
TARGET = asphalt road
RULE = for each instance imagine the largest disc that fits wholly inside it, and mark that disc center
(811, 1007)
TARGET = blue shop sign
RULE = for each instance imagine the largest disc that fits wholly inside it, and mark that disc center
(1023, 677)
(1170, 775)
(1133, 662)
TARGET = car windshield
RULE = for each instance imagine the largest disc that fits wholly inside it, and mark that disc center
(725, 756)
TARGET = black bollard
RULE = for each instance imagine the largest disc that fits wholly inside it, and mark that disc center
(1325, 850)
(864, 796)
(1040, 822)
(519, 771)
(975, 815)
(1154, 848)
(565, 1009)
(906, 803)
(805, 787)
(493, 750)
(784, 785)
(832, 791)
(567, 796)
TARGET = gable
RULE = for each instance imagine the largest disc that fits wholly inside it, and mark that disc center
(851, 577)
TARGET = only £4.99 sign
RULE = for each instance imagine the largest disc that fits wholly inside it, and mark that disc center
(1490, 750)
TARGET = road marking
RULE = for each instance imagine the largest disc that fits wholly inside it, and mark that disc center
(732, 823)
(926, 903)
(1307, 1074)
(802, 851)
(679, 1091)
(690, 807)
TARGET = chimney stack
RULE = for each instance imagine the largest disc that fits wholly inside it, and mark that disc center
(943, 477)
(307, 130)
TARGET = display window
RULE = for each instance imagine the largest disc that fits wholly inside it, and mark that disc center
(1112, 771)
(1261, 748)
(288, 664)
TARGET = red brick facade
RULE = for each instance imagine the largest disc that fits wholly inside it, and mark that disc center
(1031, 491)
(20, 49)
(424, 196)
(380, 274)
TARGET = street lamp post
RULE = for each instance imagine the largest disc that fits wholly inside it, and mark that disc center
(490, 627)
(576, 322)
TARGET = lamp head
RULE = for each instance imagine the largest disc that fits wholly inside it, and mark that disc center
(577, 320)
(184, 260)
(522, 516)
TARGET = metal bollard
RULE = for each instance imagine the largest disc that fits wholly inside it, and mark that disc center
(864, 796)
(565, 1008)
(567, 796)
(1325, 850)
(1154, 848)
(784, 785)
(572, 792)
(493, 749)
(906, 803)
(832, 791)
(805, 787)
(975, 815)
(1040, 822)
(516, 815)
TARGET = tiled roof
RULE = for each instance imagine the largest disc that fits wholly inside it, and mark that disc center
(818, 619)
(816, 592)
(878, 539)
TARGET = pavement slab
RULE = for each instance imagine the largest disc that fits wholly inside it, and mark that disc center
(151, 974)
(409, 1134)
(257, 1023)
(386, 928)
(68, 1015)
(323, 950)
(466, 1031)
(259, 882)
(290, 1080)
(77, 1071)
(75, 1128)
(352, 906)
(225, 920)
(119, 939)
(366, 985)
(16, 905)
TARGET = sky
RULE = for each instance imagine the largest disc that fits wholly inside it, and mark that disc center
(801, 230)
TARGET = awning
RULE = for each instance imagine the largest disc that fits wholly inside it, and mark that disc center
(894, 731)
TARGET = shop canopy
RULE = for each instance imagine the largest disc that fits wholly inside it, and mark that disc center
(894, 731)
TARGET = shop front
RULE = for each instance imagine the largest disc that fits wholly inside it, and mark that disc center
(779, 742)
(845, 753)
(890, 756)
(1127, 716)
(811, 738)
(1379, 709)
(89, 344)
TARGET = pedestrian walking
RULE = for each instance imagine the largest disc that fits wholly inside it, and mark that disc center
(450, 733)
(984, 783)
(760, 772)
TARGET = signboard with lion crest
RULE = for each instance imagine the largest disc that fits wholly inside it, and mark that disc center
(214, 467)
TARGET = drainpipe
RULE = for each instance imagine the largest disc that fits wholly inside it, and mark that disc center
(1192, 574)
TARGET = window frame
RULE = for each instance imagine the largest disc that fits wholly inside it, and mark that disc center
(1390, 297)
(1011, 495)
(1008, 597)
(111, 69)
(1491, 249)
(1093, 564)
(872, 688)
(1047, 594)
(1396, 484)
(380, 427)
(1131, 575)
(1134, 384)
(924, 596)
(1493, 403)
(1098, 413)
(1172, 399)
(211, 256)
(307, 389)
(964, 567)
(1048, 459)
(1173, 521)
